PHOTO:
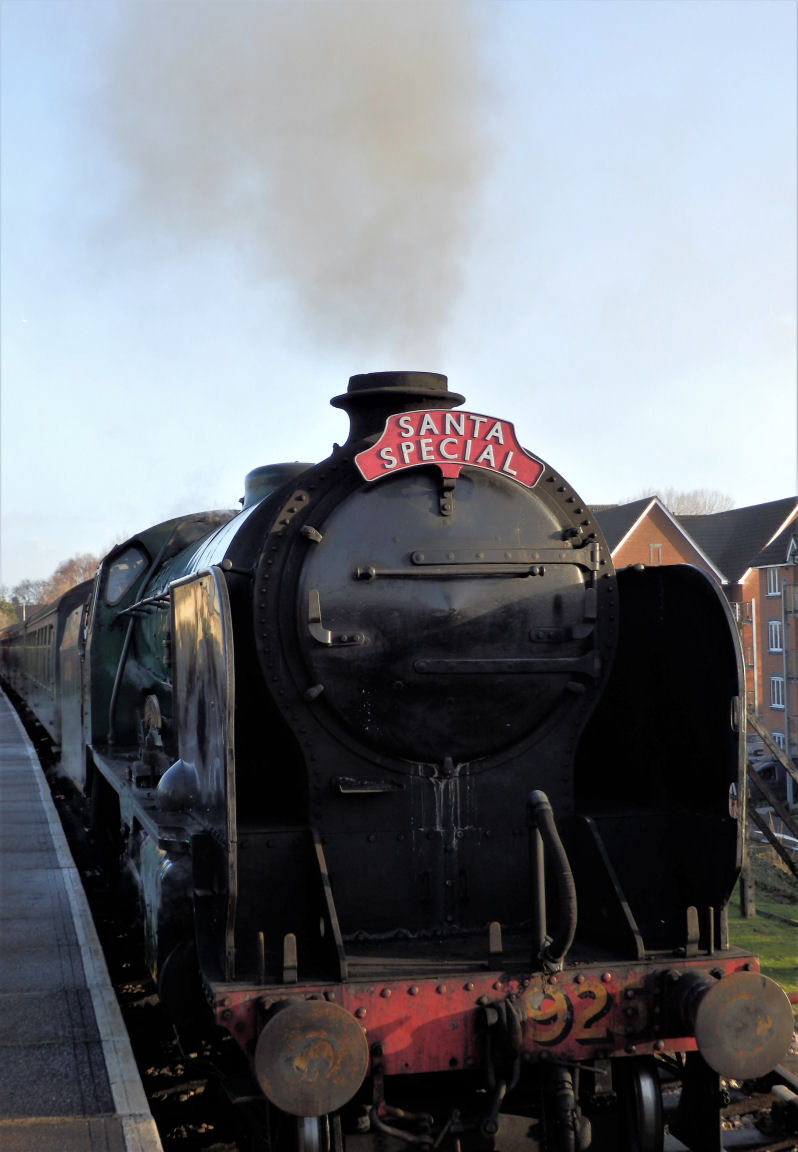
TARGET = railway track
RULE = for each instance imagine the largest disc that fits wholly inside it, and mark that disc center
(763, 1117)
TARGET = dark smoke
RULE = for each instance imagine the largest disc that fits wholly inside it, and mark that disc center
(335, 145)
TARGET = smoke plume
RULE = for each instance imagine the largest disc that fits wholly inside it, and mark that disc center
(336, 145)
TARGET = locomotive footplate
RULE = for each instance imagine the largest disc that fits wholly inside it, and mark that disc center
(585, 1013)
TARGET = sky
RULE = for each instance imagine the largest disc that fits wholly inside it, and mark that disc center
(213, 212)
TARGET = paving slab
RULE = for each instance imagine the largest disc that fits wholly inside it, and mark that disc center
(69, 1081)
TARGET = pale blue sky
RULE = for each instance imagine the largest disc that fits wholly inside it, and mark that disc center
(582, 211)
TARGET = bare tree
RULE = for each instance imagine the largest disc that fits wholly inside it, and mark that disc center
(28, 593)
(16, 603)
(68, 574)
(695, 502)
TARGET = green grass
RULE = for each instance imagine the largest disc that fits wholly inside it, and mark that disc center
(774, 941)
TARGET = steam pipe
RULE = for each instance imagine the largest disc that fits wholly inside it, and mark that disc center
(540, 819)
(537, 869)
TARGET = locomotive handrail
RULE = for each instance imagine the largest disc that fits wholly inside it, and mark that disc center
(449, 562)
(585, 556)
(431, 571)
(138, 609)
(589, 664)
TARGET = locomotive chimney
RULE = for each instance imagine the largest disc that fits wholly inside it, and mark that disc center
(374, 396)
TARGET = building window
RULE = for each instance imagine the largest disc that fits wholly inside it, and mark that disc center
(774, 584)
(776, 691)
(774, 636)
(779, 739)
(655, 553)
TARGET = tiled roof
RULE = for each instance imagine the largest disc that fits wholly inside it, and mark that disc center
(776, 551)
(736, 539)
(616, 520)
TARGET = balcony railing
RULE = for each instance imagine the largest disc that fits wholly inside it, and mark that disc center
(742, 612)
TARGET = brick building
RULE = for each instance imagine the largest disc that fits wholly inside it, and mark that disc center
(645, 532)
(753, 553)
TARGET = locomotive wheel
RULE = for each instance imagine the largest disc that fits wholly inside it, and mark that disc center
(637, 1085)
(302, 1133)
(318, 1134)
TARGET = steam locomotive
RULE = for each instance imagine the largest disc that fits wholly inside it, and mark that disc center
(424, 803)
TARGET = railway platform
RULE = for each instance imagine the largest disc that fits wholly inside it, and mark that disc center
(69, 1081)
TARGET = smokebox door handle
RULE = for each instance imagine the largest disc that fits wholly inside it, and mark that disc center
(315, 626)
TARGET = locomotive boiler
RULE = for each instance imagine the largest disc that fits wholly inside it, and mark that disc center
(426, 805)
